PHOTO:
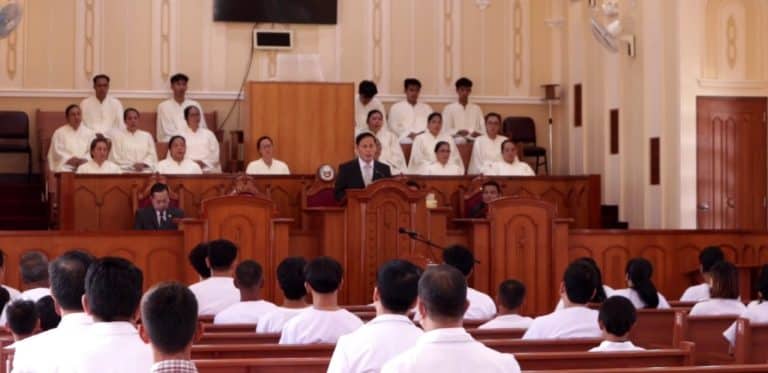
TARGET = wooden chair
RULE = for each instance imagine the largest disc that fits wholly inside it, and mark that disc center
(140, 196)
(494, 334)
(522, 130)
(14, 136)
(707, 333)
(751, 345)
(682, 356)
(304, 365)
(319, 193)
(754, 368)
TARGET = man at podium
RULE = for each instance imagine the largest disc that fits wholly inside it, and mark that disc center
(359, 172)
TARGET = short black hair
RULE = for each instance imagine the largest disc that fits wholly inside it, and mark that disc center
(130, 110)
(494, 115)
(492, 183)
(362, 137)
(463, 83)
(411, 81)
(178, 77)
(324, 274)
(710, 256)
(100, 76)
(158, 188)
(113, 289)
(398, 284)
(460, 258)
(249, 274)
(33, 266)
(69, 108)
(68, 278)
(197, 259)
(21, 316)
(371, 113)
(367, 89)
(188, 109)
(262, 138)
(221, 254)
(97, 140)
(435, 114)
(169, 315)
(511, 294)
(617, 314)
(290, 276)
(46, 312)
(5, 297)
(505, 142)
(443, 291)
(579, 282)
(441, 143)
(174, 138)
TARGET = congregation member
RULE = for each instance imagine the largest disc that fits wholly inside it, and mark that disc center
(169, 325)
(510, 164)
(486, 149)
(111, 344)
(267, 164)
(33, 266)
(290, 277)
(462, 119)
(5, 298)
(46, 312)
(423, 149)
(177, 163)
(391, 153)
(249, 280)
(99, 162)
(159, 215)
(509, 299)
(197, 259)
(13, 293)
(102, 113)
(170, 113)
(757, 310)
(442, 165)
(616, 317)
(70, 143)
(391, 332)
(575, 319)
(67, 274)
(325, 321)
(602, 291)
(707, 258)
(723, 294)
(365, 102)
(491, 191)
(445, 346)
(217, 292)
(408, 118)
(23, 321)
(202, 145)
(134, 150)
(362, 171)
(641, 291)
(481, 306)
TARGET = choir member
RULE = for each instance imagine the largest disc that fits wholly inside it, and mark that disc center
(391, 151)
(463, 119)
(70, 143)
(202, 145)
(408, 118)
(707, 258)
(509, 300)
(365, 102)
(481, 306)
(176, 162)
(423, 149)
(509, 165)
(487, 148)
(757, 310)
(249, 281)
(217, 292)
(99, 162)
(641, 291)
(723, 295)
(290, 277)
(267, 165)
(616, 317)
(362, 171)
(170, 113)
(134, 150)
(102, 113)
(442, 165)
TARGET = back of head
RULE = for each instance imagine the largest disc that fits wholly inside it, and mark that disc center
(579, 281)
(46, 311)
(169, 315)
(290, 276)
(599, 290)
(762, 284)
(511, 294)
(367, 89)
(460, 258)
(113, 289)
(2, 258)
(443, 292)
(710, 256)
(5, 297)
(221, 254)
(21, 317)
(248, 274)
(324, 274)
(197, 258)
(398, 282)
(617, 315)
(725, 281)
(68, 279)
(639, 272)
(33, 267)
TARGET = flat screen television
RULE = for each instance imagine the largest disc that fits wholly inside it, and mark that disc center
(276, 11)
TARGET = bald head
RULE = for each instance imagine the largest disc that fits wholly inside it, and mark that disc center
(443, 293)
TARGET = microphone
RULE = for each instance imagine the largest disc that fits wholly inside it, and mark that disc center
(405, 231)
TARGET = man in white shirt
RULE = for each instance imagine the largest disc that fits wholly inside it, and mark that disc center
(112, 343)
(249, 281)
(509, 299)
(391, 332)
(481, 306)
(445, 346)
(575, 320)
(102, 113)
(33, 266)
(707, 258)
(408, 118)
(290, 277)
(22, 319)
(217, 292)
(463, 120)
(365, 103)
(13, 293)
(325, 321)
(616, 318)
(67, 275)
(170, 113)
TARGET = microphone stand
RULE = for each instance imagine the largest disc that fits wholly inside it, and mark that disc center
(419, 238)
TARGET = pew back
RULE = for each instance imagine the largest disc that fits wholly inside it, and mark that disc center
(751, 345)
(706, 332)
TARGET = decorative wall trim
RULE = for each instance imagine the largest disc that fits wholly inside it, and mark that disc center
(733, 84)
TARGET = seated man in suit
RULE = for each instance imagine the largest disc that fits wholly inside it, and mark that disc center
(491, 191)
(159, 216)
(358, 173)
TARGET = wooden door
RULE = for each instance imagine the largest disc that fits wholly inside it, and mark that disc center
(731, 163)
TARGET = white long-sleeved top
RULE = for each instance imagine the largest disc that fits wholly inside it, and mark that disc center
(168, 166)
(170, 118)
(504, 168)
(756, 312)
(361, 112)
(485, 151)
(259, 167)
(106, 168)
(104, 117)
(457, 117)
(405, 118)
(391, 151)
(67, 143)
(129, 148)
(423, 151)
(202, 145)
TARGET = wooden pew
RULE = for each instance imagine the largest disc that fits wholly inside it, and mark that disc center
(228, 328)
(751, 345)
(493, 334)
(706, 332)
(653, 327)
(753, 368)
(225, 338)
(303, 365)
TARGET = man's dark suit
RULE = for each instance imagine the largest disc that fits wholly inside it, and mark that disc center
(350, 176)
(146, 219)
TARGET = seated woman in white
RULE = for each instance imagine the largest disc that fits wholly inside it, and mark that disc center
(641, 291)
(176, 162)
(757, 311)
(723, 295)
(487, 148)
(134, 150)
(202, 145)
(510, 165)
(442, 166)
(99, 164)
(423, 149)
(70, 143)
(391, 151)
(266, 165)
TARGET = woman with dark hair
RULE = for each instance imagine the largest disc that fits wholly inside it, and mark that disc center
(723, 293)
(99, 162)
(510, 164)
(757, 310)
(423, 149)
(486, 149)
(70, 142)
(134, 150)
(267, 165)
(602, 291)
(391, 152)
(641, 291)
(202, 145)
(177, 163)
(365, 103)
(442, 165)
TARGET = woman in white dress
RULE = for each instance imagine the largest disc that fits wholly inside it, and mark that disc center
(487, 148)
(202, 145)
(391, 151)
(176, 163)
(510, 165)
(69, 143)
(267, 165)
(757, 310)
(423, 149)
(134, 150)
(442, 165)
(641, 291)
(723, 294)
(99, 164)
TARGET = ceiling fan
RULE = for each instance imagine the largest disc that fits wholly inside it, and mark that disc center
(10, 16)
(607, 27)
